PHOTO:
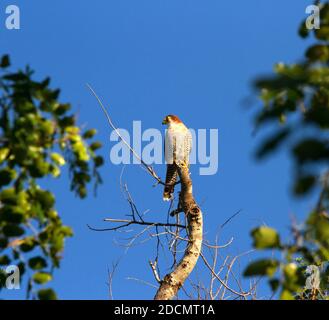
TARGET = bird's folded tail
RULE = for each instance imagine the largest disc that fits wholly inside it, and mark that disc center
(168, 193)
(171, 178)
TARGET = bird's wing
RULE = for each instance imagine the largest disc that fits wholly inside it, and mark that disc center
(170, 146)
(184, 145)
(188, 143)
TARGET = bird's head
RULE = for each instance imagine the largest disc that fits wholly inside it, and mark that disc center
(171, 119)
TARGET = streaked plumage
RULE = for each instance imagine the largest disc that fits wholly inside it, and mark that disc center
(178, 145)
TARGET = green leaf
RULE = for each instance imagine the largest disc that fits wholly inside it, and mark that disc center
(42, 277)
(286, 295)
(290, 270)
(47, 128)
(8, 196)
(274, 284)
(55, 171)
(272, 143)
(80, 149)
(28, 244)
(261, 268)
(324, 254)
(318, 53)
(6, 176)
(304, 184)
(10, 213)
(18, 76)
(62, 109)
(3, 242)
(89, 133)
(12, 230)
(21, 267)
(45, 198)
(3, 154)
(57, 158)
(99, 161)
(37, 263)
(82, 191)
(3, 278)
(265, 238)
(4, 260)
(39, 168)
(319, 113)
(310, 150)
(47, 294)
(303, 31)
(322, 33)
(66, 122)
(294, 279)
(322, 229)
(67, 231)
(57, 243)
(52, 214)
(5, 61)
(95, 145)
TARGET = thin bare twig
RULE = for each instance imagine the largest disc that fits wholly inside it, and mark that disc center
(241, 294)
(148, 168)
(153, 266)
(142, 281)
(110, 276)
(127, 223)
(230, 218)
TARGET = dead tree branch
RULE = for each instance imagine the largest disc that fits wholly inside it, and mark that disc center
(173, 281)
(127, 223)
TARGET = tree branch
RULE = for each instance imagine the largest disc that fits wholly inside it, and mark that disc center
(133, 221)
(173, 281)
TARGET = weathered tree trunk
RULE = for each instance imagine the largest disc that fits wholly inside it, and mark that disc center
(173, 281)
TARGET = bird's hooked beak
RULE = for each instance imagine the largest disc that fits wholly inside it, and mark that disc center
(165, 120)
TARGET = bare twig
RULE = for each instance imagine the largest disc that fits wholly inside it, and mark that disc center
(241, 294)
(142, 281)
(110, 277)
(230, 218)
(130, 222)
(155, 270)
(148, 168)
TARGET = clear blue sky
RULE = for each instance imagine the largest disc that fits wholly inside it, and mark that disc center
(146, 59)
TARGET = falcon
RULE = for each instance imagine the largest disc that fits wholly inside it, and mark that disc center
(178, 145)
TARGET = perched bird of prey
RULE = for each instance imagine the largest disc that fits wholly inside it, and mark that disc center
(178, 145)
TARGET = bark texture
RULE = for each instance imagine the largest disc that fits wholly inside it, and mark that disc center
(173, 281)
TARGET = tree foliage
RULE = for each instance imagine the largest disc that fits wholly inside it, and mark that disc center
(38, 137)
(296, 98)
